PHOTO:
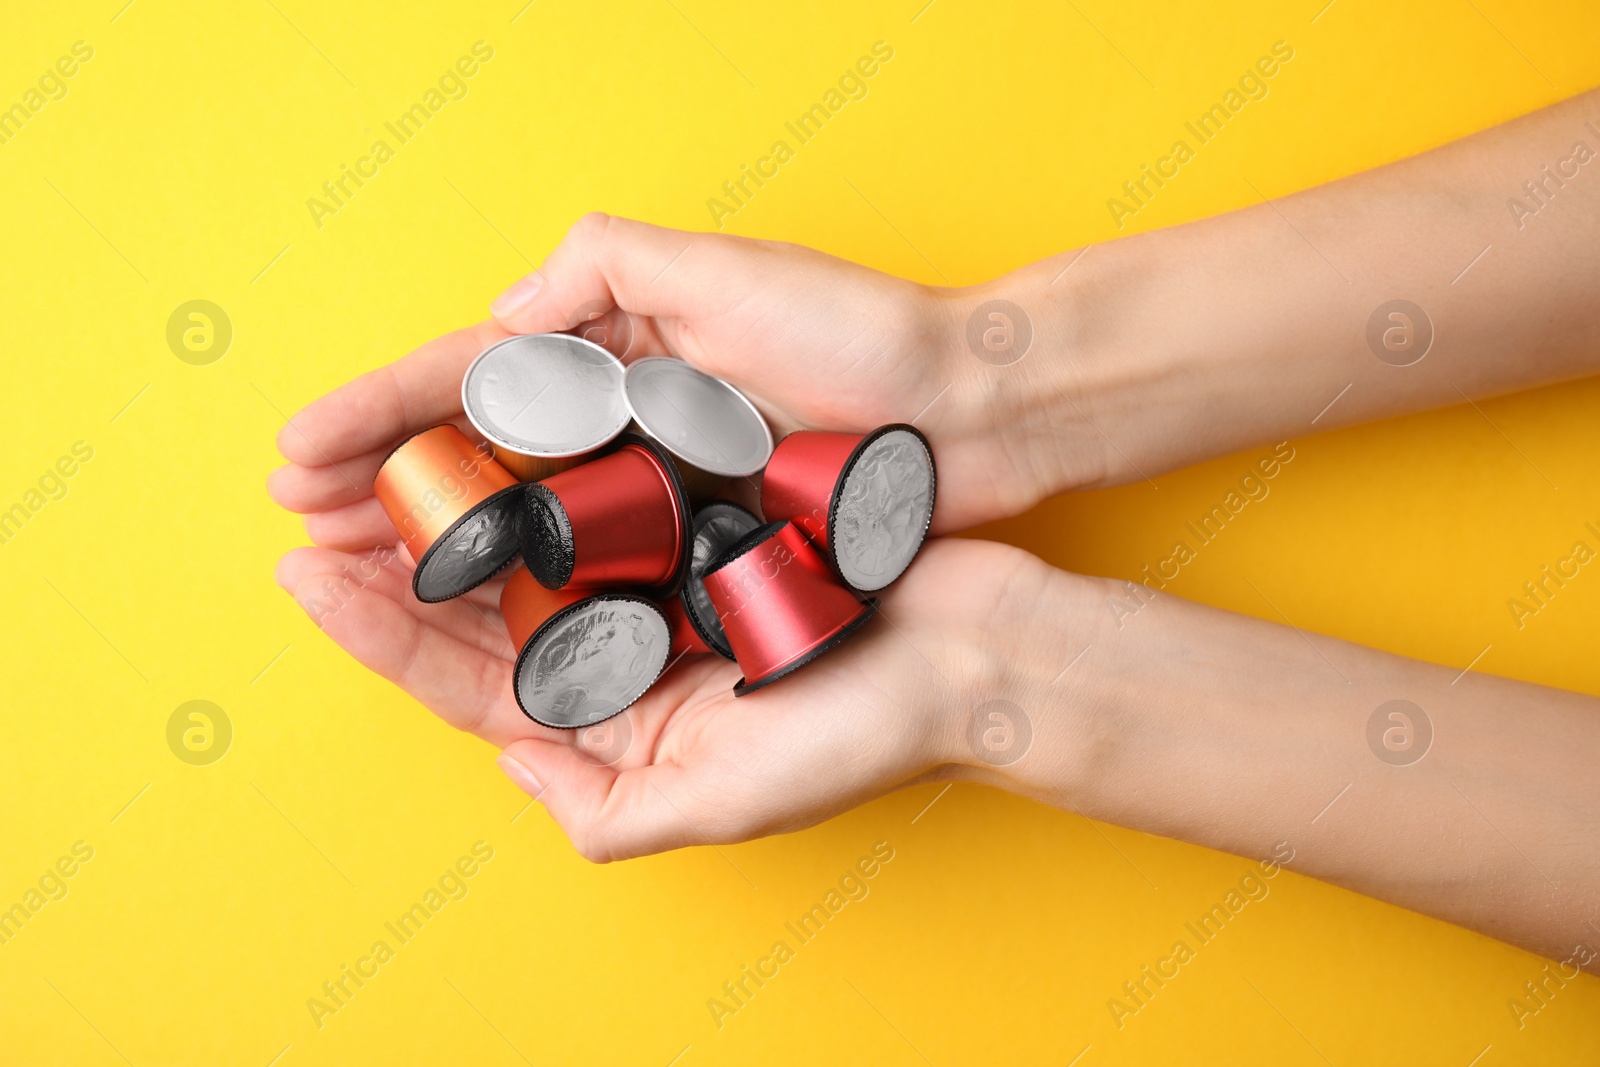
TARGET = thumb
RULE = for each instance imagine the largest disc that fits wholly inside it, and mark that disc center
(605, 262)
(606, 814)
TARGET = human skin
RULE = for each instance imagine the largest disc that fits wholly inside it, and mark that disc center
(1148, 354)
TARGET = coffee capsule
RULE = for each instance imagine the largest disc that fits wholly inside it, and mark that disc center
(718, 526)
(453, 506)
(544, 401)
(583, 655)
(865, 501)
(779, 604)
(685, 639)
(620, 520)
(713, 431)
(698, 485)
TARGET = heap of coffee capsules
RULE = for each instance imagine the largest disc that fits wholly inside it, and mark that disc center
(594, 477)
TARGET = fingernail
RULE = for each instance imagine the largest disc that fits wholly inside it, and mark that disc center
(520, 774)
(518, 296)
(315, 610)
(273, 480)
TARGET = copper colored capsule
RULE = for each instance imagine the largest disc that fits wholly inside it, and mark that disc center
(453, 506)
(620, 520)
(544, 401)
(699, 485)
(583, 655)
(864, 500)
(709, 427)
(780, 605)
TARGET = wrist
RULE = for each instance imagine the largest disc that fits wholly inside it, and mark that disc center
(1034, 365)
(1024, 717)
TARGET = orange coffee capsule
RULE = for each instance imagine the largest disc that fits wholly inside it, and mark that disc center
(453, 506)
(583, 655)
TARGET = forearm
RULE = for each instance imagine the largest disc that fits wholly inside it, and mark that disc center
(1163, 349)
(1241, 735)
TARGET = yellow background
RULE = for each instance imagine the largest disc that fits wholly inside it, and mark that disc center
(218, 901)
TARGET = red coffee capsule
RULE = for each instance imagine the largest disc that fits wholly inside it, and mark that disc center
(453, 506)
(718, 526)
(864, 501)
(622, 519)
(779, 604)
(583, 655)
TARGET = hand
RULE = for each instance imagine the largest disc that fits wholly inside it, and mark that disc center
(844, 347)
(814, 341)
(688, 764)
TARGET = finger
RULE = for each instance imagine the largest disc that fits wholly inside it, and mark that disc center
(338, 578)
(487, 595)
(304, 489)
(465, 686)
(382, 406)
(612, 329)
(647, 270)
(606, 814)
(351, 528)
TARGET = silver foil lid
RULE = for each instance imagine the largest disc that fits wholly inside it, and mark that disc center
(881, 516)
(471, 552)
(717, 527)
(545, 394)
(592, 661)
(702, 420)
